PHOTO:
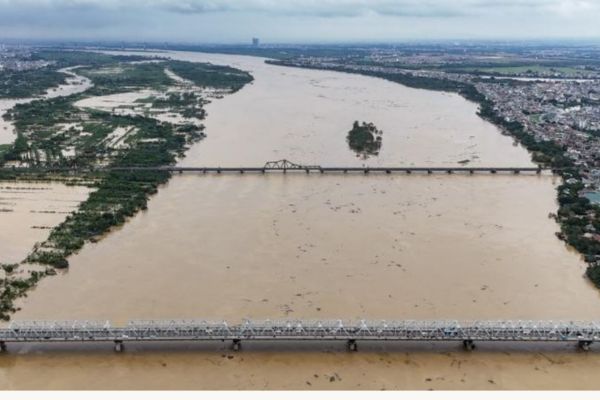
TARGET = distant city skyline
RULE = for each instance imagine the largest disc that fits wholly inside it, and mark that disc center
(298, 21)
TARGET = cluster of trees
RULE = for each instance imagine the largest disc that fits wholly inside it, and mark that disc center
(364, 139)
(209, 75)
(20, 84)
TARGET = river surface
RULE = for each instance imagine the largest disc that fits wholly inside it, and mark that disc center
(325, 247)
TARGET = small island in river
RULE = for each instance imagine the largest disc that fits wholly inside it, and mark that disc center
(365, 139)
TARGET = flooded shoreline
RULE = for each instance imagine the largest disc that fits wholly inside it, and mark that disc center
(326, 247)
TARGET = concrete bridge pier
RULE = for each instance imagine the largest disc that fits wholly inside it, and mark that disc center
(3, 348)
(352, 346)
(469, 345)
(236, 345)
(119, 346)
(584, 345)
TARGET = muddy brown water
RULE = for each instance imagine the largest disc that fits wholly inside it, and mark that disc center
(325, 246)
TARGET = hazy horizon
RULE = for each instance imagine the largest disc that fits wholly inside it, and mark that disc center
(299, 21)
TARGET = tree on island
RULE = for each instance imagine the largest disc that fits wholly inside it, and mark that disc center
(365, 139)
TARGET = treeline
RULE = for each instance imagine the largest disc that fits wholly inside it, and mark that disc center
(209, 75)
(22, 84)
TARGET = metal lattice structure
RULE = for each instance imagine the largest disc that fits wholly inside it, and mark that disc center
(583, 333)
(286, 164)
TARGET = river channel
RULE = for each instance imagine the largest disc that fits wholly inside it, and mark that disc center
(299, 246)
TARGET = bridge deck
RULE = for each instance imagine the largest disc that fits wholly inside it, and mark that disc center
(497, 331)
(308, 169)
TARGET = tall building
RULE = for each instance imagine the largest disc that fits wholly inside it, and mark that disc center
(255, 42)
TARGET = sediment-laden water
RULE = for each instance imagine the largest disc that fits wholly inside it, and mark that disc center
(325, 246)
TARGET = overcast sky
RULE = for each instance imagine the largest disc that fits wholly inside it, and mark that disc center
(281, 21)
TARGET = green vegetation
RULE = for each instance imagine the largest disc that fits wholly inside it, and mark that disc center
(208, 75)
(46, 128)
(126, 77)
(19, 84)
(13, 288)
(364, 139)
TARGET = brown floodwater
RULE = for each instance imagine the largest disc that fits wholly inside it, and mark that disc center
(325, 247)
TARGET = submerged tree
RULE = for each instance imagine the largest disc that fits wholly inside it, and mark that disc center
(365, 139)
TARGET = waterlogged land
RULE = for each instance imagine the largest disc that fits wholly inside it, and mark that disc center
(64, 130)
(307, 247)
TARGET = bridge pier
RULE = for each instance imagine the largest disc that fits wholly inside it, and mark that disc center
(3, 347)
(471, 172)
(352, 346)
(468, 345)
(493, 171)
(236, 345)
(584, 345)
(517, 172)
(119, 346)
(429, 172)
(307, 171)
(387, 171)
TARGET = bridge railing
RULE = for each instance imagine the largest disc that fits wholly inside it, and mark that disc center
(333, 329)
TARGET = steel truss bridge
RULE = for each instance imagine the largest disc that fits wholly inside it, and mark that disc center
(285, 166)
(581, 333)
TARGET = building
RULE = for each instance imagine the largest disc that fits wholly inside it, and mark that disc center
(255, 42)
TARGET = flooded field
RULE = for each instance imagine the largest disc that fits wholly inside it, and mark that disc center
(74, 84)
(325, 247)
(28, 210)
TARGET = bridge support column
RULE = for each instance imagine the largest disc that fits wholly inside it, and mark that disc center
(469, 345)
(584, 345)
(237, 345)
(352, 346)
(493, 171)
(119, 346)
(3, 347)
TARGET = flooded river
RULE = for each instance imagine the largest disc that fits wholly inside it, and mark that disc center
(325, 247)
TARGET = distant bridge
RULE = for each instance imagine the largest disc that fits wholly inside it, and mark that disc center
(285, 166)
(581, 333)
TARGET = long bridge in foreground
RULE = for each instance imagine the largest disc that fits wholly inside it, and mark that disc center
(582, 334)
(288, 166)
